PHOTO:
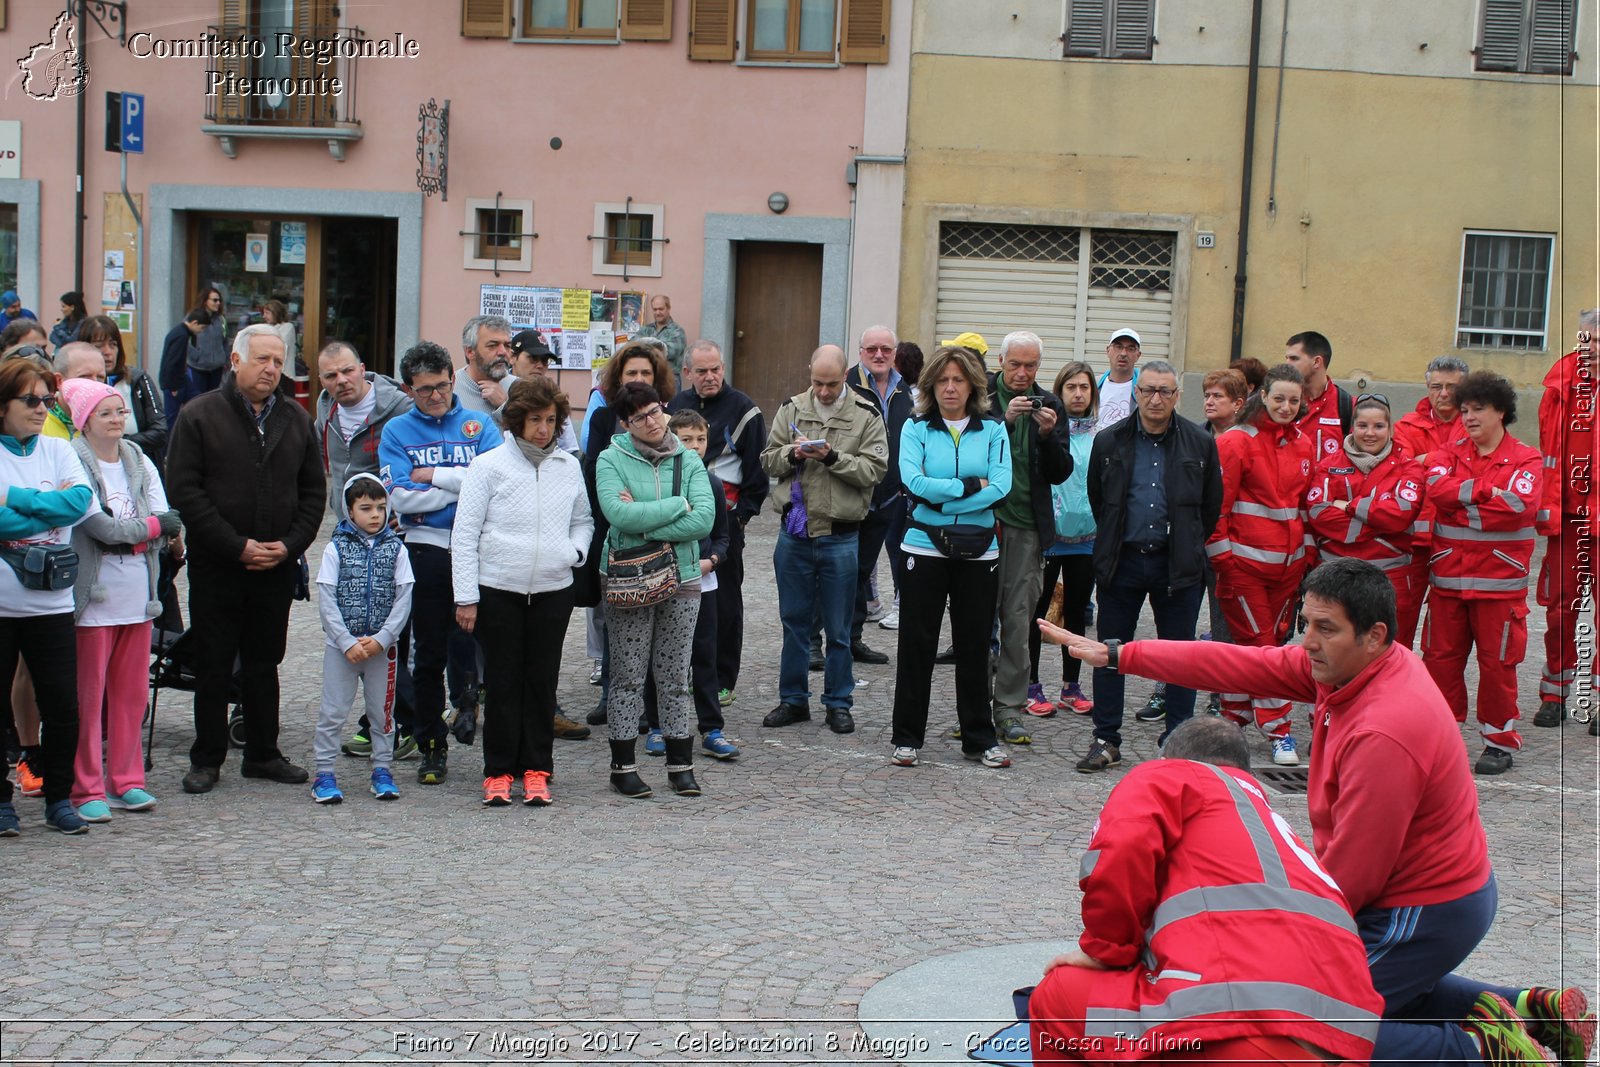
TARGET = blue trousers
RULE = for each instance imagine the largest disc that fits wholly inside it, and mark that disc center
(816, 577)
(1139, 576)
(1411, 952)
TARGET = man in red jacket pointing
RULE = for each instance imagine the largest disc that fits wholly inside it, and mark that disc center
(1384, 745)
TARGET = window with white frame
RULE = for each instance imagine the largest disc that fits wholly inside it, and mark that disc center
(498, 234)
(628, 238)
(1527, 36)
(1110, 29)
(1505, 290)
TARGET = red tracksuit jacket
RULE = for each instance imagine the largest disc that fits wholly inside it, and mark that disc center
(1567, 438)
(1266, 470)
(1320, 423)
(1229, 923)
(1422, 434)
(1384, 504)
(1394, 813)
(1483, 529)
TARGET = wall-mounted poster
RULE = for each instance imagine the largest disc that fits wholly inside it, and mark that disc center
(630, 313)
(255, 253)
(292, 242)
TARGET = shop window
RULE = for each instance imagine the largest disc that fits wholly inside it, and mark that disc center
(628, 239)
(1527, 36)
(1111, 29)
(1505, 290)
(8, 246)
(498, 235)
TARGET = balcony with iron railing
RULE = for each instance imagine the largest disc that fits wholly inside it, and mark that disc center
(279, 87)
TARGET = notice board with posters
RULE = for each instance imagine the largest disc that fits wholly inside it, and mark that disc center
(581, 326)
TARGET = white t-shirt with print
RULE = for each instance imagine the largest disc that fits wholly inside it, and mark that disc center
(126, 577)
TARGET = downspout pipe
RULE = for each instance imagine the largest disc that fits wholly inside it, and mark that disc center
(1236, 347)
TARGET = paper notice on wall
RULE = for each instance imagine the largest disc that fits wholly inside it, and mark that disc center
(110, 293)
(291, 242)
(601, 343)
(549, 316)
(575, 310)
(575, 348)
(255, 253)
(114, 268)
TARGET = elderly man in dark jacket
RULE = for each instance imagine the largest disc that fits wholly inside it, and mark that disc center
(245, 472)
(1155, 487)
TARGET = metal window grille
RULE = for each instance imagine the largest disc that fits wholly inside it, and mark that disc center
(992, 240)
(1505, 291)
(1126, 259)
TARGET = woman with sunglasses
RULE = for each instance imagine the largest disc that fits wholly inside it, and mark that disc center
(1259, 546)
(114, 600)
(652, 490)
(1364, 500)
(42, 497)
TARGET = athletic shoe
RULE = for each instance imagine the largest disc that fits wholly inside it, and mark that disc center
(718, 746)
(1073, 700)
(567, 730)
(904, 756)
(890, 621)
(59, 815)
(955, 733)
(405, 746)
(994, 758)
(875, 610)
(655, 743)
(1493, 761)
(32, 785)
(1038, 704)
(1284, 753)
(1012, 732)
(94, 811)
(726, 697)
(434, 766)
(383, 786)
(1550, 713)
(1503, 1038)
(10, 825)
(1102, 754)
(135, 799)
(497, 791)
(597, 673)
(325, 790)
(536, 789)
(1560, 1020)
(360, 745)
(1155, 709)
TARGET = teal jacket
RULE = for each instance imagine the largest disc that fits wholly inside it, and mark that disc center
(654, 514)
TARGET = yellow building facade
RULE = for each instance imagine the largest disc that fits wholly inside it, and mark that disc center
(1399, 194)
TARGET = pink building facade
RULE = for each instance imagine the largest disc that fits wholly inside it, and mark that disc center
(580, 153)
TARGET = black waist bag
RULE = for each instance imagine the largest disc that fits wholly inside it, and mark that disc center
(961, 540)
(47, 568)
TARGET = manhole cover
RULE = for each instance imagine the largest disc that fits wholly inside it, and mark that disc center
(1286, 779)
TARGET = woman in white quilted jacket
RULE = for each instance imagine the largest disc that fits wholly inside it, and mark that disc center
(522, 523)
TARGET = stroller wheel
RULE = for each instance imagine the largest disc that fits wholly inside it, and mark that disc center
(236, 727)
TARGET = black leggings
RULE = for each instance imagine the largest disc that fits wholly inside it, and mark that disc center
(48, 644)
(1077, 573)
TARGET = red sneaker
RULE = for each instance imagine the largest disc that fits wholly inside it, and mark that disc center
(536, 789)
(497, 791)
(32, 784)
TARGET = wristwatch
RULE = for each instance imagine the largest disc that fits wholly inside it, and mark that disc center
(1113, 646)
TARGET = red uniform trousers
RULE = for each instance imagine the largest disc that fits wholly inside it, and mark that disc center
(1499, 629)
(1064, 994)
(1564, 581)
(1410, 590)
(1257, 608)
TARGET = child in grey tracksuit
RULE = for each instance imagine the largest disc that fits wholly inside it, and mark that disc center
(364, 592)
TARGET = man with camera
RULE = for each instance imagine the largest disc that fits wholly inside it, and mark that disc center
(1040, 458)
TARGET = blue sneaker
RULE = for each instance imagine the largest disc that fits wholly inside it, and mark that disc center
(325, 790)
(1283, 752)
(10, 825)
(59, 815)
(383, 786)
(94, 811)
(655, 744)
(135, 799)
(718, 746)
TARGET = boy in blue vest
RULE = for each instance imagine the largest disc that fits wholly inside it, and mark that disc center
(364, 592)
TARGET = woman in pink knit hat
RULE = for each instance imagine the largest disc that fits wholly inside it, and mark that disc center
(118, 549)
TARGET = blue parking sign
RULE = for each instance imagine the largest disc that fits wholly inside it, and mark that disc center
(133, 122)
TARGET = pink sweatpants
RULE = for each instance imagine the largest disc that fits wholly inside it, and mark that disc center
(113, 685)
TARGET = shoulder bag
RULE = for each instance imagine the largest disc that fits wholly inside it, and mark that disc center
(644, 576)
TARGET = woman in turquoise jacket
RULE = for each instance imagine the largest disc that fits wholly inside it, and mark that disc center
(652, 489)
(955, 464)
(1070, 558)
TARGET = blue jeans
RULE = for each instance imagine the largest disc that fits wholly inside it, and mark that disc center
(1411, 952)
(816, 578)
(1139, 576)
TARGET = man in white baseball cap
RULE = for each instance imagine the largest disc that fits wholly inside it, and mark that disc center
(1116, 385)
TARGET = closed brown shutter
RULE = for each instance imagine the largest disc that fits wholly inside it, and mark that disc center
(864, 31)
(1550, 51)
(486, 18)
(230, 106)
(711, 24)
(647, 20)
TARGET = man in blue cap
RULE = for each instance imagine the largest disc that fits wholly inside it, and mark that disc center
(11, 309)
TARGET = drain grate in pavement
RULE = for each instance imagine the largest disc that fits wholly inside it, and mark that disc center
(1286, 779)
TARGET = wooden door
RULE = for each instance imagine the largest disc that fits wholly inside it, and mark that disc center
(777, 310)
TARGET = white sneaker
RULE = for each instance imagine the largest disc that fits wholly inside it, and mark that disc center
(1284, 754)
(995, 757)
(891, 621)
(904, 756)
(874, 610)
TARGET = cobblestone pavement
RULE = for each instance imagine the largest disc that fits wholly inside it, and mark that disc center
(251, 924)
